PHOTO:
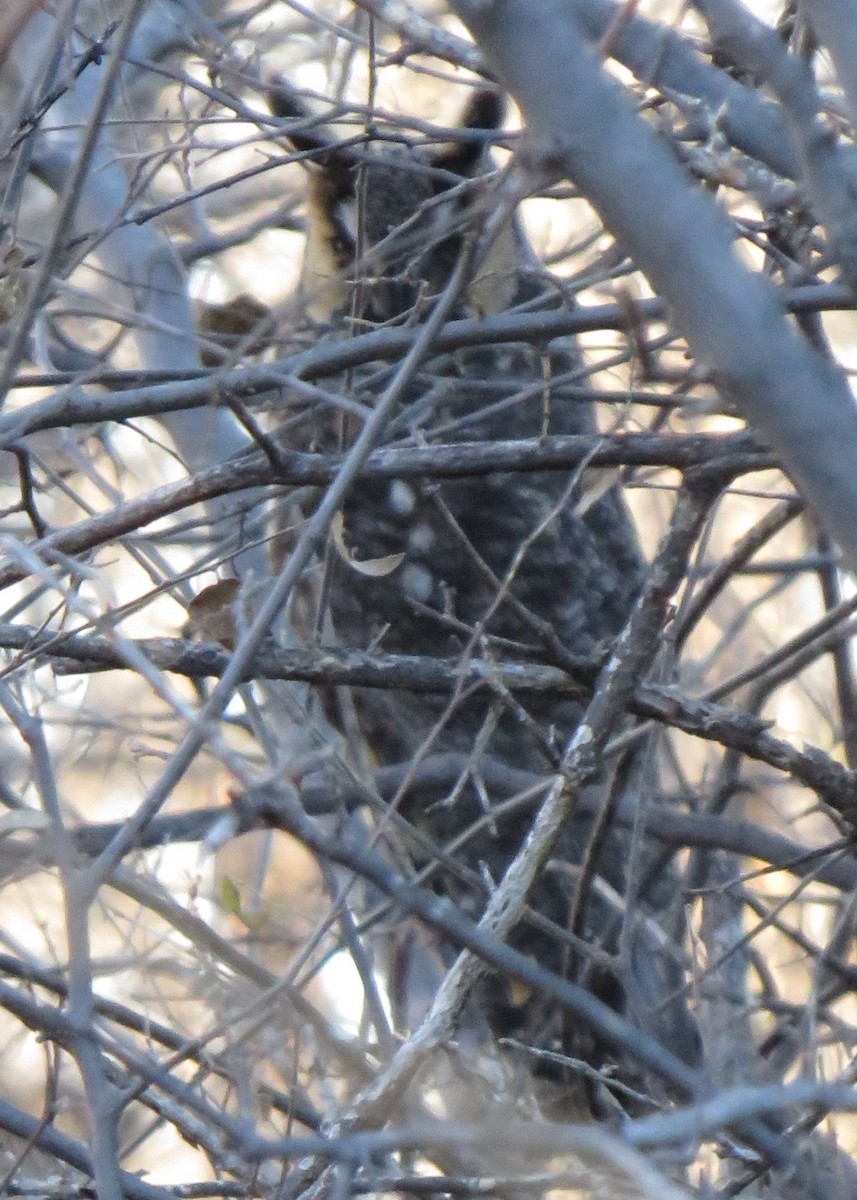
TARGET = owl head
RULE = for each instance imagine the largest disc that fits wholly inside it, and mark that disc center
(385, 219)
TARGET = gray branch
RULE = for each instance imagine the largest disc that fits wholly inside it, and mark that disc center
(586, 128)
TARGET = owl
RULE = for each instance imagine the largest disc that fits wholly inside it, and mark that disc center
(508, 565)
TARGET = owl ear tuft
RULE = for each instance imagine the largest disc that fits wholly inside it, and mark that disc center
(308, 132)
(483, 114)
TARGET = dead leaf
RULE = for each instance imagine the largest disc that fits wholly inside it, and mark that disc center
(212, 612)
(374, 568)
(597, 482)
